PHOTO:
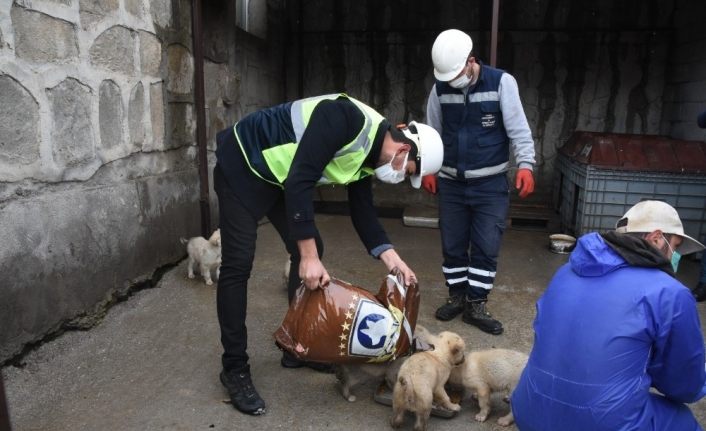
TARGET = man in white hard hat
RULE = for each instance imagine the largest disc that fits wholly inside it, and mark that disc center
(618, 342)
(477, 111)
(268, 164)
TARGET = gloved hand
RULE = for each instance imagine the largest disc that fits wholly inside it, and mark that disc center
(524, 182)
(429, 183)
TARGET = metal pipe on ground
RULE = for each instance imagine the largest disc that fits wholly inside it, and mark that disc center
(421, 216)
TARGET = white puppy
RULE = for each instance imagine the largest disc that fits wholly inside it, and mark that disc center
(488, 371)
(205, 253)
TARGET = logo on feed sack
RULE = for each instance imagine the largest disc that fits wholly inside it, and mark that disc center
(371, 328)
(372, 331)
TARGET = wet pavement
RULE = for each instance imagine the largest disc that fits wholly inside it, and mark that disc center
(153, 362)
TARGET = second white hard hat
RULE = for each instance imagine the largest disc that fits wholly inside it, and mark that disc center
(449, 53)
(430, 150)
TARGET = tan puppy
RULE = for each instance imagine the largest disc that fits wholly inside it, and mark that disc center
(489, 371)
(351, 375)
(421, 380)
(205, 253)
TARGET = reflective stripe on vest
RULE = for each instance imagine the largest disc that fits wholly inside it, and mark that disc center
(452, 173)
(486, 96)
(347, 164)
(475, 140)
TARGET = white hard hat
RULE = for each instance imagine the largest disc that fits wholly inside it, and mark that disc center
(649, 216)
(430, 150)
(449, 53)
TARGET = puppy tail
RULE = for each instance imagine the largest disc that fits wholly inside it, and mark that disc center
(183, 240)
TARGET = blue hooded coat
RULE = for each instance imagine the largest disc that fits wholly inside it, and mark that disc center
(613, 324)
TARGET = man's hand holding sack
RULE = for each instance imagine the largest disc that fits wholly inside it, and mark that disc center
(344, 323)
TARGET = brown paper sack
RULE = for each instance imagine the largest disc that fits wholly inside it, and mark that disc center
(343, 323)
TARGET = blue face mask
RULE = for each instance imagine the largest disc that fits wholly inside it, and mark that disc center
(675, 260)
(676, 256)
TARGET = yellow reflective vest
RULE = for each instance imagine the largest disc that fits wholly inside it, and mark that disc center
(269, 139)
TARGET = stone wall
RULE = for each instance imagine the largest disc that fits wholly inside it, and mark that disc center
(98, 176)
(596, 66)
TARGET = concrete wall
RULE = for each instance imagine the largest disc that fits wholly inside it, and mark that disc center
(685, 93)
(597, 66)
(98, 177)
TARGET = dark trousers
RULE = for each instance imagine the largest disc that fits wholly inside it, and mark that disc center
(472, 213)
(238, 223)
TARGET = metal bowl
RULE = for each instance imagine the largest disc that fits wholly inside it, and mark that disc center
(561, 244)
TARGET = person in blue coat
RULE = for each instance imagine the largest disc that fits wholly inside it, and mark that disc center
(618, 342)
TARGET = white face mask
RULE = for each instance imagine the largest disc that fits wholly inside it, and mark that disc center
(387, 174)
(461, 82)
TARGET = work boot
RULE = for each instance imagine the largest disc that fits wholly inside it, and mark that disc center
(290, 361)
(476, 314)
(699, 292)
(242, 393)
(453, 307)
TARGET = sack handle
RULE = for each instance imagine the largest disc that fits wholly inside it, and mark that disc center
(403, 291)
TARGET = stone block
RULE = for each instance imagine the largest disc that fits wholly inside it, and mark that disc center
(150, 54)
(135, 7)
(135, 113)
(41, 38)
(72, 134)
(114, 50)
(19, 124)
(180, 69)
(92, 11)
(221, 90)
(157, 116)
(161, 11)
(182, 123)
(110, 115)
(216, 45)
(181, 16)
(216, 81)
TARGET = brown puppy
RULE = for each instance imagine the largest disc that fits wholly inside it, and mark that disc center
(488, 371)
(351, 375)
(421, 380)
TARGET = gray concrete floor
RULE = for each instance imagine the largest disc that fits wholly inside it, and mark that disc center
(153, 363)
